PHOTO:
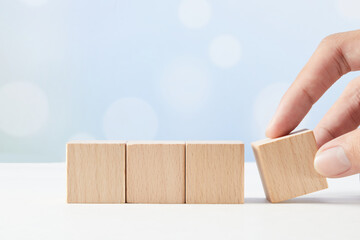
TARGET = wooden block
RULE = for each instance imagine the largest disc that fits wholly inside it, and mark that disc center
(214, 172)
(155, 172)
(96, 172)
(286, 166)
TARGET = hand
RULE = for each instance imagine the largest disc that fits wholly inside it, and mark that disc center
(336, 134)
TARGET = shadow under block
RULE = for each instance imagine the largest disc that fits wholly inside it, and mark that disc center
(155, 172)
(286, 166)
(95, 172)
(215, 172)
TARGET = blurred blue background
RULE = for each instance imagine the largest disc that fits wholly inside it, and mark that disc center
(161, 70)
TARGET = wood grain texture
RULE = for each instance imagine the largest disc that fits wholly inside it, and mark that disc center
(286, 166)
(96, 172)
(155, 172)
(215, 172)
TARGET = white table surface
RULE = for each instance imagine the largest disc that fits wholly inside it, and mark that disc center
(33, 207)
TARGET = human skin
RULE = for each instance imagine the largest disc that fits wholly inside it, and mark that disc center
(337, 134)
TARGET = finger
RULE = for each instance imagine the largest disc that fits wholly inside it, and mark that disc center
(343, 116)
(340, 157)
(335, 56)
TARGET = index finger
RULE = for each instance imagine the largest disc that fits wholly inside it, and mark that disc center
(333, 58)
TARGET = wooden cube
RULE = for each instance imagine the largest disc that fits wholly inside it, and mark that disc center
(96, 172)
(215, 172)
(286, 166)
(155, 172)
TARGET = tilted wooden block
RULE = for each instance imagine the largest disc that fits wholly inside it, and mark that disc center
(286, 166)
(155, 172)
(215, 172)
(96, 172)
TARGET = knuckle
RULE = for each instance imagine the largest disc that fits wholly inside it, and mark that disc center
(332, 40)
(334, 46)
(308, 96)
(354, 101)
(354, 85)
(353, 141)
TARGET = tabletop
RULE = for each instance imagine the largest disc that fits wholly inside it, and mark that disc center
(33, 206)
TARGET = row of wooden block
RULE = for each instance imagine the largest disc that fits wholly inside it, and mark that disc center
(155, 172)
(191, 172)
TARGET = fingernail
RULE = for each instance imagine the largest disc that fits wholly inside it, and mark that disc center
(332, 162)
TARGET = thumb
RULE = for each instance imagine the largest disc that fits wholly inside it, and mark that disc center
(339, 157)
